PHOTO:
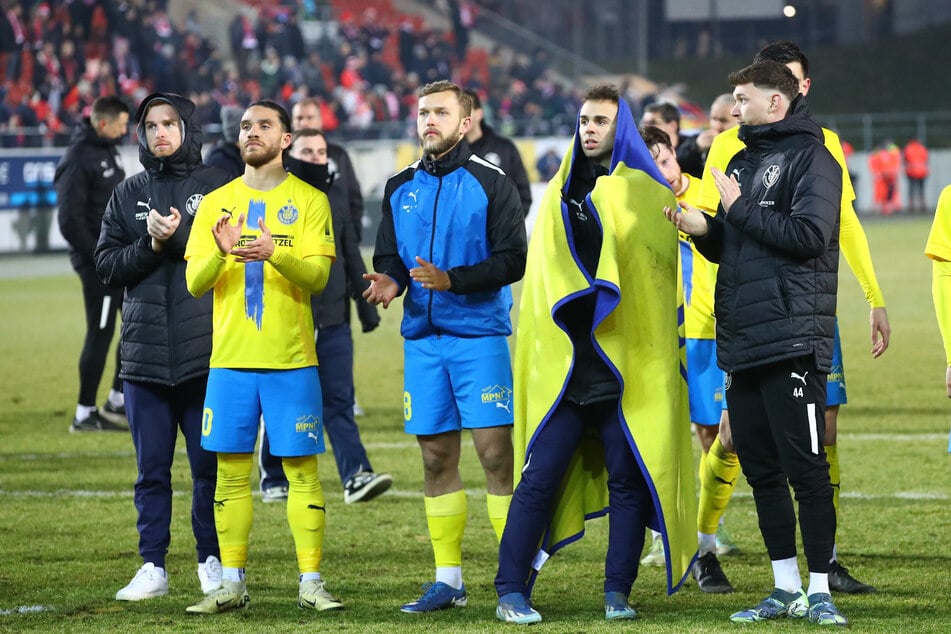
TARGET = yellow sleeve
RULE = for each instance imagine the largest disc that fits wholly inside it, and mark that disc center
(852, 240)
(310, 273)
(941, 294)
(205, 260)
(938, 246)
(725, 146)
(854, 247)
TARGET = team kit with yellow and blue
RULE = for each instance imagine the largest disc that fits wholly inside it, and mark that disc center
(259, 310)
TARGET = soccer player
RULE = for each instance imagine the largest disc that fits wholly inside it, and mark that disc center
(719, 476)
(775, 238)
(85, 179)
(938, 249)
(166, 335)
(263, 243)
(600, 394)
(704, 378)
(452, 237)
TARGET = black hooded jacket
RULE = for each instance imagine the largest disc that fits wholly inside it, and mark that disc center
(85, 179)
(166, 333)
(778, 247)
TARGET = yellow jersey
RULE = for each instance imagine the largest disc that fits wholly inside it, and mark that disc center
(699, 276)
(262, 315)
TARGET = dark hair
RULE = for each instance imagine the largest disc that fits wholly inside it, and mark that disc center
(603, 92)
(653, 135)
(444, 85)
(474, 98)
(305, 132)
(278, 108)
(784, 52)
(109, 107)
(667, 111)
(768, 75)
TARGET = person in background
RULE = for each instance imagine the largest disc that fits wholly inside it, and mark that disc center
(457, 369)
(666, 116)
(599, 334)
(331, 310)
(704, 378)
(719, 476)
(498, 150)
(778, 220)
(263, 361)
(226, 155)
(915, 157)
(85, 179)
(166, 333)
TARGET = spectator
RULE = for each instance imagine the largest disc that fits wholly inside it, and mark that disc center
(666, 116)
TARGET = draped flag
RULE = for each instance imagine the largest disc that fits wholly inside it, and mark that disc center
(638, 330)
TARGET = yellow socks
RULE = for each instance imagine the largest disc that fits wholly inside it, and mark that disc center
(306, 512)
(446, 517)
(717, 481)
(498, 508)
(233, 508)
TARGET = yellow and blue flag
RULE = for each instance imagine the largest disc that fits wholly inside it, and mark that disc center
(638, 330)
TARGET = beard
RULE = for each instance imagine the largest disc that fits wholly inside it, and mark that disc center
(437, 146)
(260, 155)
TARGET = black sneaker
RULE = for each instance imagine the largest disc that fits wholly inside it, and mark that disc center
(96, 422)
(841, 581)
(365, 485)
(709, 575)
(114, 410)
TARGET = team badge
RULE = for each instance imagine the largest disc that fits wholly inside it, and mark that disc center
(288, 214)
(771, 176)
(191, 205)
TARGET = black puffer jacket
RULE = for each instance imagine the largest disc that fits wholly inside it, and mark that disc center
(85, 179)
(166, 333)
(778, 247)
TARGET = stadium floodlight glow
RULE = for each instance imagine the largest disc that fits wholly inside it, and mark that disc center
(789, 11)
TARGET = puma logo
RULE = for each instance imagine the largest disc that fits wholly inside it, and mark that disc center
(801, 377)
(147, 204)
(504, 406)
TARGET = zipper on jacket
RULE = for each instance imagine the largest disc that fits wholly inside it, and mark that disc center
(432, 241)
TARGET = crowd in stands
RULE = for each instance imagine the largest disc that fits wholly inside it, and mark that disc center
(59, 55)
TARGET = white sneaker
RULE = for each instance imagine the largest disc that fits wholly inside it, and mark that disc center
(209, 574)
(149, 582)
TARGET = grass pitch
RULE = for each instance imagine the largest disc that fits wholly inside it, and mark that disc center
(68, 538)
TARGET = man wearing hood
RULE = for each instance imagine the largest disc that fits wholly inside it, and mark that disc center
(452, 236)
(166, 333)
(84, 180)
(776, 239)
(600, 383)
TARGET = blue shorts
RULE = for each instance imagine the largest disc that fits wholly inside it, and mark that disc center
(452, 383)
(289, 401)
(835, 380)
(704, 382)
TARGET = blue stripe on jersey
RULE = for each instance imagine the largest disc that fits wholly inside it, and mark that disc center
(686, 262)
(254, 271)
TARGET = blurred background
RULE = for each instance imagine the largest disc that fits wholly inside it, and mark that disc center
(879, 68)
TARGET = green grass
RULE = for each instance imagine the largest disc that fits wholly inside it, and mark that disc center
(68, 538)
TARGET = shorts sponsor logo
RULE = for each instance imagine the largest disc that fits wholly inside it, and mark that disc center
(308, 423)
(498, 395)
